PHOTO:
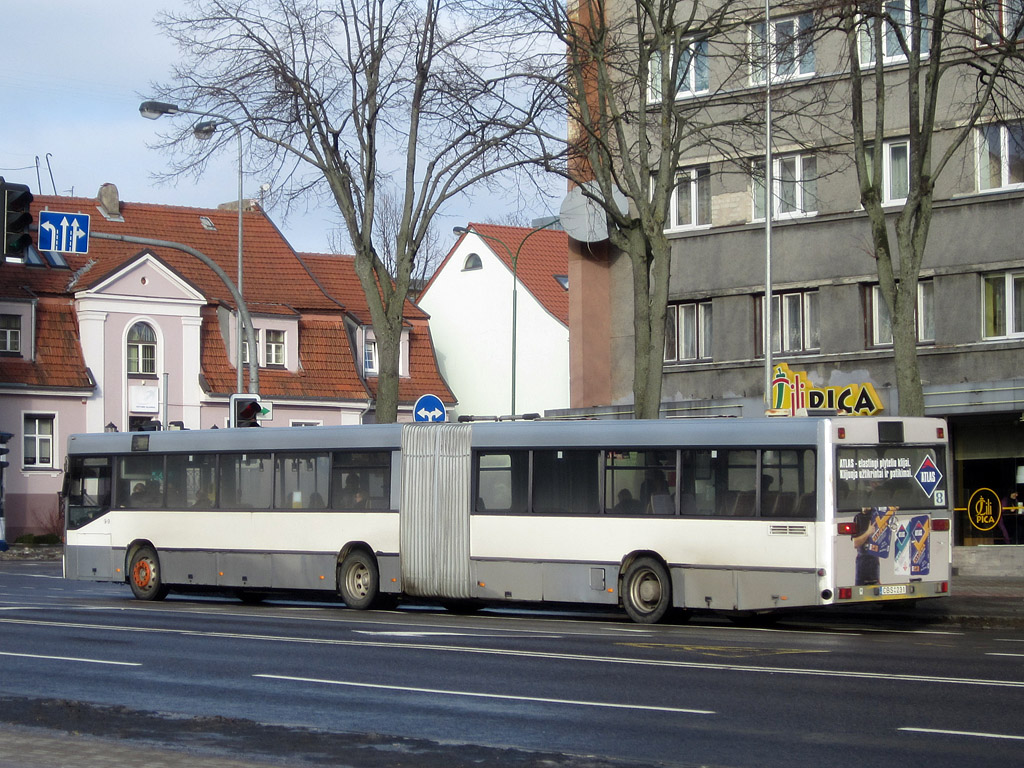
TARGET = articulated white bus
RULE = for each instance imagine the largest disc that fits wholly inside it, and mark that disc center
(735, 515)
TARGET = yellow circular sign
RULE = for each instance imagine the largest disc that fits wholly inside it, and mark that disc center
(984, 509)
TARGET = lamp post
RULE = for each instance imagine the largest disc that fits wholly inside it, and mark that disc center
(514, 256)
(152, 110)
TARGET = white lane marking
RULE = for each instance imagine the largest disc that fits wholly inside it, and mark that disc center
(424, 633)
(71, 658)
(1013, 655)
(504, 697)
(670, 663)
(978, 734)
(37, 576)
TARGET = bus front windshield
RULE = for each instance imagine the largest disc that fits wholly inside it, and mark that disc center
(904, 476)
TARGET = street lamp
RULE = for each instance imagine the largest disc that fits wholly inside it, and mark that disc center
(152, 110)
(514, 256)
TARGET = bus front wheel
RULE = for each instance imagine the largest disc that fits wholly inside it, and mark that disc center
(358, 580)
(646, 591)
(144, 575)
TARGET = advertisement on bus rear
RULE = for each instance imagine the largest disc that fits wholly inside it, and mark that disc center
(886, 500)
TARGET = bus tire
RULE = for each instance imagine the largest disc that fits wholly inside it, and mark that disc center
(358, 580)
(144, 575)
(646, 591)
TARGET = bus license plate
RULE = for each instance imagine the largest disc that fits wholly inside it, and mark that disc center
(894, 589)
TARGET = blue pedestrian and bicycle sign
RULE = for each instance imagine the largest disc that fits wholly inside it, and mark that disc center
(429, 408)
(63, 232)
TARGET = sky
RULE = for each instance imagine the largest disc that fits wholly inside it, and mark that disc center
(72, 77)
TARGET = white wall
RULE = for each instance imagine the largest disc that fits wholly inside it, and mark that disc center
(470, 323)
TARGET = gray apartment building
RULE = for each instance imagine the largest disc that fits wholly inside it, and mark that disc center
(831, 333)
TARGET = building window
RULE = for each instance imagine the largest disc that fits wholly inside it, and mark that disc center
(688, 331)
(38, 440)
(691, 202)
(794, 185)
(691, 75)
(1000, 156)
(10, 333)
(897, 32)
(369, 357)
(895, 170)
(472, 262)
(795, 322)
(791, 45)
(1000, 20)
(141, 349)
(273, 348)
(881, 320)
(1004, 305)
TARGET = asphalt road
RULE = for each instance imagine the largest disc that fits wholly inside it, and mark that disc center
(502, 687)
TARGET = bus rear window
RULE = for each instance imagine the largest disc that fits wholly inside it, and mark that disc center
(904, 476)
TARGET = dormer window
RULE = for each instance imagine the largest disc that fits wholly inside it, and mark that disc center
(10, 334)
(370, 357)
(472, 262)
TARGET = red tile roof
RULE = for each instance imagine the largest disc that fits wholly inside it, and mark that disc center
(337, 275)
(276, 281)
(543, 254)
(58, 361)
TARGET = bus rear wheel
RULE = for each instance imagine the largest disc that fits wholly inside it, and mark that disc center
(358, 580)
(144, 575)
(646, 591)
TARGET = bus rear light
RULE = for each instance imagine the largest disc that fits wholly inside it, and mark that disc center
(847, 529)
(841, 432)
(845, 593)
(940, 524)
(940, 432)
(943, 587)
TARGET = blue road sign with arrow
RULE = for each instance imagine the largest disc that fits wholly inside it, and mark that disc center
(63, 232)
(429, 408)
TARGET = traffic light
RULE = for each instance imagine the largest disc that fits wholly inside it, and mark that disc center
(245, 411)
(4, 450)
(17, 217)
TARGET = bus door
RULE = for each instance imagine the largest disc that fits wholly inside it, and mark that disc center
(434, 534)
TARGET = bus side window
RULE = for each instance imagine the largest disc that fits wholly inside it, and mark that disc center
(361, 480)
(141, 482)
(565, 482)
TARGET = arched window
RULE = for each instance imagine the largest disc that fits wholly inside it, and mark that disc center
(472, 262)
(141, 349)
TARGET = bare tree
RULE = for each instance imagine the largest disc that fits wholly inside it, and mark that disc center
(641, 99)
(365, 101)
(935, 69)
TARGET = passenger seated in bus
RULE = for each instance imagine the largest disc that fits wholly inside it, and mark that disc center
(656, 491)
(353, 489)
(143, 496)
(316, 501)
(204, 500)
(627, 504)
